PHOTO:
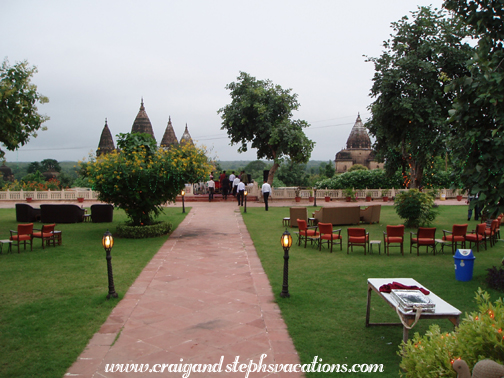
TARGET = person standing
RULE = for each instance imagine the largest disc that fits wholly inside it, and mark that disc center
(211, 189)
(266, 190)
(470, 198)
(225, 187)
(236, 181)
(231, 183)
(240, 192)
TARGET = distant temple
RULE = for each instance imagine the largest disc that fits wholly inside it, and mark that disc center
(358, 150)
(142, 124)
(106, 144)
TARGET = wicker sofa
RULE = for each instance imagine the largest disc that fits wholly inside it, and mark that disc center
(102, 213)
(62, 213)
(338, 215)
(26, 213)
(371, 214)
(297, 213)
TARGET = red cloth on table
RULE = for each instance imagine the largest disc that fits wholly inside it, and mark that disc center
(387, 288)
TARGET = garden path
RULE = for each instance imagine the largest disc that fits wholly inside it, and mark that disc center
(203, 296)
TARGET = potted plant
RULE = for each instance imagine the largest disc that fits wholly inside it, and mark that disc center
(80, 199)
(349, 194)
(311, 198)
(459, 195)
(327, 197)
(368, 196)
(297, 192)
(384, 194)
(28, 199)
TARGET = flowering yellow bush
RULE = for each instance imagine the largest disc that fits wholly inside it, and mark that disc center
(140, 177)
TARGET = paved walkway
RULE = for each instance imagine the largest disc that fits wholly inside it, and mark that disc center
(203, 296)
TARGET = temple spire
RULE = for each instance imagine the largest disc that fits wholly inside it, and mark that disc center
(142, 122)
(169, 138)
(106, 144)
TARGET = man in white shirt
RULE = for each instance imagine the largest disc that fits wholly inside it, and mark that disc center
(231, 182)
(266, 190)
(211, 189)
(236, 181)
(240, 192)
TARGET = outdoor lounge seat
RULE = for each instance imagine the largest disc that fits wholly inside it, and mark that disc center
(23, 234)
(394, 235)
(26, 213)
(477, 236)
(424, 236)
(61, 213)
(357, 237)
(329, 235)
(306, 232)
(455, 236)
(370, 214)
(46, 233)
(297, 213)
(101, 213)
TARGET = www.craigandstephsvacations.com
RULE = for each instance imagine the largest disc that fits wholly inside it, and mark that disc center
(185, 369)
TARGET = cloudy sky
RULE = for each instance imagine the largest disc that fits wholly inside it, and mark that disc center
(97, 59)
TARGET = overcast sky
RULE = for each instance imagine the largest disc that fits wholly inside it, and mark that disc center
(97, 59)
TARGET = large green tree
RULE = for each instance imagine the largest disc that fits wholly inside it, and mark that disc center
(477, 134)
(260, 113)
(411, 107)
(19, 117)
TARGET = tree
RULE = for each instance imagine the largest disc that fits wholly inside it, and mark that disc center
(50, 165)
(34, 167)
(477, 117)
(260, 113)
(293, 174)
(140, 179)
(411, 107)
(19, 117)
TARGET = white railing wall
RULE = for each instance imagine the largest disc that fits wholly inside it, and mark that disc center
(254, 190)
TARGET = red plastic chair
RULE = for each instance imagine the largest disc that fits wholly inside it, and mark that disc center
(394, 235)
(455, 236)
(305, 232)
(46, 234)
(358, 237)
(23, 234)
(327, 234)
(424, 236)
(477, 236)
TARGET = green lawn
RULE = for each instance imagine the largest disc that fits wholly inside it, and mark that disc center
(52, 301)
(326, 312)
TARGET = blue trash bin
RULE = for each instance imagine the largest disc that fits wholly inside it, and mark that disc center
(464, 264)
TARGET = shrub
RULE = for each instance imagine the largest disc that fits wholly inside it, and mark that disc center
(495, 278)
(142, 232)
(479, 336)
(415, 207)
(373, 179)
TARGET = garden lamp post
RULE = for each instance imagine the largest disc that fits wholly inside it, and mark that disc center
(315, 198)
(286, 241)
(108, 243)
(183, 203)
(245, 195)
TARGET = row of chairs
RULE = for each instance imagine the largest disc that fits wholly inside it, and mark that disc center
(26, 233)
(394, 236)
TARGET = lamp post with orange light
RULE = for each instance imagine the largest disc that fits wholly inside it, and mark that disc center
(286, 241)
(108, 243)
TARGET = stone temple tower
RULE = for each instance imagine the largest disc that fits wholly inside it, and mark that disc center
(169, 138)
(142, 123)
(106, 144)
(186, 137)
